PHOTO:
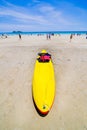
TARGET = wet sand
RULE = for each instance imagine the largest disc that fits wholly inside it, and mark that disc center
(17, 59)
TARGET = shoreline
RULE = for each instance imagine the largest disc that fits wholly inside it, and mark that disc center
(44, 32)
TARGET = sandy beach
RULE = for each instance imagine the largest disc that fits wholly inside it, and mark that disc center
(17, 59)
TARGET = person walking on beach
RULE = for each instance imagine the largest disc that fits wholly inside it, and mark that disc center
(47, 36)
(71, 36)
(19, 36)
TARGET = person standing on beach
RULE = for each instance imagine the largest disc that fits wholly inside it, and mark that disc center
(71, 36)
(47, 36)
(19, 36)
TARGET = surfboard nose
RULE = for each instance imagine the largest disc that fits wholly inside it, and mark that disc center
(45, 110)
(43, 51)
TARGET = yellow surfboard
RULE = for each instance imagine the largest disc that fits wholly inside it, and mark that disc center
(43, 90)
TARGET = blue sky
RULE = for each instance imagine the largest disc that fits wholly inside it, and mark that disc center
(43, 15)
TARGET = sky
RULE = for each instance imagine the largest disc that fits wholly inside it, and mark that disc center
(43, 15)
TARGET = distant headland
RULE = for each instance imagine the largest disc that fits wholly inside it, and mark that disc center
(17, 32)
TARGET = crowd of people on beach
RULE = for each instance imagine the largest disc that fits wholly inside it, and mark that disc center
(3, 36)
(48, 36)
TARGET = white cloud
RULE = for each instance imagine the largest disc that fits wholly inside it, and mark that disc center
(21, 15)
(25, 27)
(49, 10)
(11, 27)
(42, 16)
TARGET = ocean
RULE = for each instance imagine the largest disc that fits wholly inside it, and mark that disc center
(43, 33)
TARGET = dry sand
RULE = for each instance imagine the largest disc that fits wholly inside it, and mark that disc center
(17, 59)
